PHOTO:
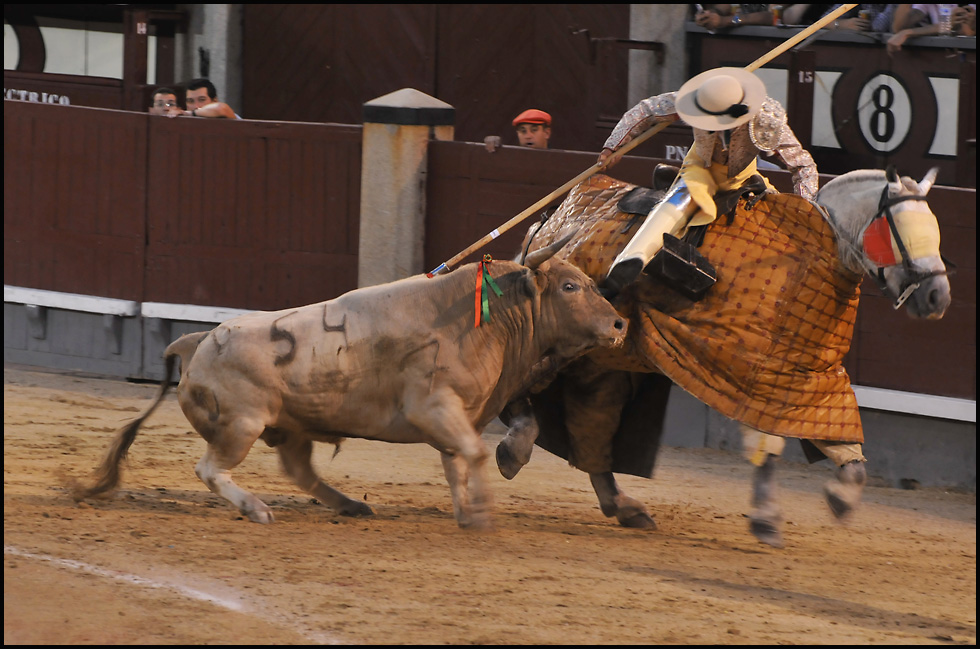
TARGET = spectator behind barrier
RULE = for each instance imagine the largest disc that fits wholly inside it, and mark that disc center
(533, 128)
(163, 102)
(910, 21)
(863, 18)
(202, 101)
(803, 14)
(715, 17)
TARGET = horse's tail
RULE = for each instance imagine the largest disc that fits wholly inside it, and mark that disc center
(107, 474)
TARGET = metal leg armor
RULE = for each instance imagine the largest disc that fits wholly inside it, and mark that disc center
(675, 261)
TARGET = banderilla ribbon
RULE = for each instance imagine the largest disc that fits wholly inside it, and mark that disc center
(484, 283)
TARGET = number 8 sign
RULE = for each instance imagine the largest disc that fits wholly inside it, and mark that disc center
(884, 113)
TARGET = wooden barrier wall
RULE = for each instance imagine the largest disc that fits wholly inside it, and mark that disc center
(242, 214)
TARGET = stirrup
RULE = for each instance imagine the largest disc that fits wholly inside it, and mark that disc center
(620, 276)
(682, 267)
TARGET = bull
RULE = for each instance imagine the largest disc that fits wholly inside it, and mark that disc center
(404, 362)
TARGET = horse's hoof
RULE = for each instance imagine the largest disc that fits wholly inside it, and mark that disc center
(840, 498)
(765, 523)
(507, 462)
(766, 531)
(638, 521)
(844, 494)
(355, 508)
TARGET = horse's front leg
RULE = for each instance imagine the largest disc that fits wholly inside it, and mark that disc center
(514, 450)
(613, 502)
(594, 400)
(844, 494)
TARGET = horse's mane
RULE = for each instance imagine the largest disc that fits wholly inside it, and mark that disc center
(850, 218)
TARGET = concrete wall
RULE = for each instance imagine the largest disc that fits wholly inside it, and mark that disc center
(217, 30)
(903, 450)
(663, 23)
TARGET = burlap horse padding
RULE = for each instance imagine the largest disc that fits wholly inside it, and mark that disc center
(766, 345)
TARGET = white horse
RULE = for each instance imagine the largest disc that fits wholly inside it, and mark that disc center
(884, 227)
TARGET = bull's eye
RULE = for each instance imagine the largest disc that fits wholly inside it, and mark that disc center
(570, 286)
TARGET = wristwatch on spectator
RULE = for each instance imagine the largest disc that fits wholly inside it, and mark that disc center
(736, 20)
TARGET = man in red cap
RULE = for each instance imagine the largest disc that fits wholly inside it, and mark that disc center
(533, 128)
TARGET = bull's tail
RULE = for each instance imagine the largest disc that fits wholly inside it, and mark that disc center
(107, 474)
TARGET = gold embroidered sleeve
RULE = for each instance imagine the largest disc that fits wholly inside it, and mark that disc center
(642, 117)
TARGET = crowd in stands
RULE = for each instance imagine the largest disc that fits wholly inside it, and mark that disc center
(897, 19)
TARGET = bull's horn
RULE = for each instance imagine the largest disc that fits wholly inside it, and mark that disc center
(541, 255)
(928, 180)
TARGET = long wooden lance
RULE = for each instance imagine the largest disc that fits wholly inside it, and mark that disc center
(446, 266)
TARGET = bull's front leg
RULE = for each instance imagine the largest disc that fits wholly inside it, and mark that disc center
(442, 418)
(514, 450)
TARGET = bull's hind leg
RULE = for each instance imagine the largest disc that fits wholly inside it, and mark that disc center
(226, 450)
(295, 454)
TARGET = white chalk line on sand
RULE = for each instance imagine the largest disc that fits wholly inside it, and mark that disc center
(235, 604)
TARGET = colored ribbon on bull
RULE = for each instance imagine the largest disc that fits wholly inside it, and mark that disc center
(484, 284)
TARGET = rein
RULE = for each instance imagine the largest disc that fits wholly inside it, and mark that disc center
(917, 276)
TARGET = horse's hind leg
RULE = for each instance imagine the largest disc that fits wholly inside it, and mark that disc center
(295, 454)
(613, 502)
(226, 450)
(766, 518)
(763, 450)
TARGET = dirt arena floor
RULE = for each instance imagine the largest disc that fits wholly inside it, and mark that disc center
(164, 561)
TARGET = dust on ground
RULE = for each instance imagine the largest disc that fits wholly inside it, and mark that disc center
(164, 561)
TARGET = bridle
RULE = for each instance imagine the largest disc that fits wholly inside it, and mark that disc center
(915, 276)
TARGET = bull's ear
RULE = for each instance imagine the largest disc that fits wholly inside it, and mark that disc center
(529, 283)
(538, 257)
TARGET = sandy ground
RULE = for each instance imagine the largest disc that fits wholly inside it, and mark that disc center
(163, 561)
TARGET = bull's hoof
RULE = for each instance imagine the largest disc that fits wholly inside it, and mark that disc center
(507, 462)
(477, 524)
(355, 508)
(637, 521)
(263, 516)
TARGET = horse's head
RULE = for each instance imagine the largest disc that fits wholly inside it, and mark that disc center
(894, 235)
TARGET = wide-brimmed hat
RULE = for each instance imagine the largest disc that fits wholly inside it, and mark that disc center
(720, 99)
(533, 116)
